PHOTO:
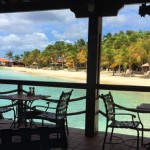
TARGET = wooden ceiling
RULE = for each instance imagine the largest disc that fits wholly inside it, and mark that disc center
(81, 8)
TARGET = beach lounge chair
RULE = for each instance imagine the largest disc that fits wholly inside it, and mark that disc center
(112, 122)
(147, 75)
(59, 112)
(128, 73)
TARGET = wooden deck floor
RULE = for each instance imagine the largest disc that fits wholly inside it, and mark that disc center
(78, 141)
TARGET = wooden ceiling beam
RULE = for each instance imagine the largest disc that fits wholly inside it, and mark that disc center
(131, 2)
(102, 8)
(81, 8)
(34, 6)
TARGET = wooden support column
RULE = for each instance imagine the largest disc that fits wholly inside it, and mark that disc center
(93, 68)
(20, 87)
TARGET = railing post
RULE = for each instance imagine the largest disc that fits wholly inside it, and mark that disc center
(20, 88)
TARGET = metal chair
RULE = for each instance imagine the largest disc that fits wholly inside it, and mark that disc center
(7, 108)
(60, 110)
(112, 122)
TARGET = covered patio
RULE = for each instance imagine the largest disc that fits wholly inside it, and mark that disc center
(78, 141)
(95, 10)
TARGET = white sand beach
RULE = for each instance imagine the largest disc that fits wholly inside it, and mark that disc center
(80, 76)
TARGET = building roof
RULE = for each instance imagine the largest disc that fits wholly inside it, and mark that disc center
(4, 60)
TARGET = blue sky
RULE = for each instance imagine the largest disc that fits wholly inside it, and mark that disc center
(26, 31)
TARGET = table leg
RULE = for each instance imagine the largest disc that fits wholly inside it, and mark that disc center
(25, 109)
(20, 113)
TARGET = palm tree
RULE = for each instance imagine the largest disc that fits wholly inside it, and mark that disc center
(71, 55)
(25, 58)
(81, 53)
(16, 58)
(9, 55)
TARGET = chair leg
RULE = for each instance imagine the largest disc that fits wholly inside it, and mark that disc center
(137, 139)
(14, 121)
(112, 131)
(31, 123)
(42, 122)
(67, 127)
(105, 138)
(13, 124)
(142, 142)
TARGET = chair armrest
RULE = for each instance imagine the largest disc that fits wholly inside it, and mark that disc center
(38, 106)
(131, 109)
(51, 100)
(48, 101)
(102, 113)
(125, 114)
(47, 96)
(52, 108)
(35, 108)
(125, 108)
(6, 106)
(43, 107)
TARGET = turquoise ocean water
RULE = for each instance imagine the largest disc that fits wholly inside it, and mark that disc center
(129, 99)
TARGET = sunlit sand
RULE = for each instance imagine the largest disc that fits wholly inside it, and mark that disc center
(80, 76)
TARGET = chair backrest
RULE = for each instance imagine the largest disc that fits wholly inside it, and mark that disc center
(63, 104)
(109, 105)
(5, 108)
(41, 138)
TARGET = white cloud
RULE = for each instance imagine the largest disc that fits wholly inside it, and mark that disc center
(115, 21)
(9, 39)
(128, 18)
(29, 30)
(76, 30)
(28, 22)
(21, 43)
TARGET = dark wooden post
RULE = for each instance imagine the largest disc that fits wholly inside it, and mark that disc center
(20, 105)
(93, 69)
(20, 87)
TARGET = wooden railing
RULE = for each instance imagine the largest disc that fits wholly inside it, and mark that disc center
(20, 84)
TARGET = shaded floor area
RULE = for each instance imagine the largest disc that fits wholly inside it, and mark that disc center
(78, 141)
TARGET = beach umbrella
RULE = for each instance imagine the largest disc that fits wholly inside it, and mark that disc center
(145, 65)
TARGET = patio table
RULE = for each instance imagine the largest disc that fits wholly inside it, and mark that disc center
(24, 103)
(144, 108)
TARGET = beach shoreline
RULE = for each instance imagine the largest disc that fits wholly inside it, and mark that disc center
(80, 76)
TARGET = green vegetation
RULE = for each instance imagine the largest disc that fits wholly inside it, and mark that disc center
(119, 51)
(126, 50)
